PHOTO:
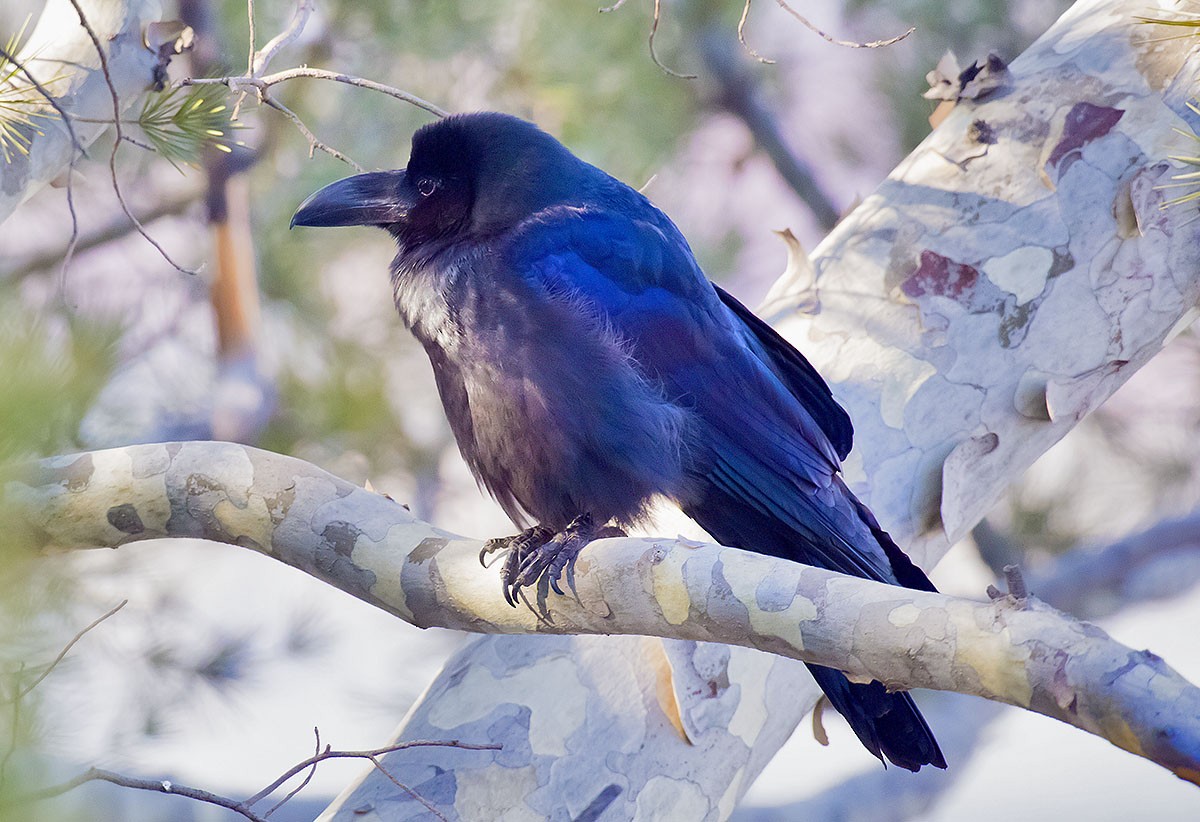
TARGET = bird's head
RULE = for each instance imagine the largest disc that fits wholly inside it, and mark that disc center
(469, 175)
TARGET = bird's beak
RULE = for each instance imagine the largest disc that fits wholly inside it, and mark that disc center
(376, 198)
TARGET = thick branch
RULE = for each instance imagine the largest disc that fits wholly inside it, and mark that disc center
(1025, 654)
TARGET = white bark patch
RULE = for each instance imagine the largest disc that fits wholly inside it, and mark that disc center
(471, 700)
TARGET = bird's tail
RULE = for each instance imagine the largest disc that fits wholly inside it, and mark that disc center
(888, 724)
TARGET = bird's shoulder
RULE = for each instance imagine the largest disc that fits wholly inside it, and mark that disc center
(605, 253)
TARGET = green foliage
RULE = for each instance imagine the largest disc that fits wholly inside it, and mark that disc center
(21, 105)
(180, 123)
(50, 377)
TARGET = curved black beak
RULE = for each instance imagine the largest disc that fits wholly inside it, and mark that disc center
(375, 198)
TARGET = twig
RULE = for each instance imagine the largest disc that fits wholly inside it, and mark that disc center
(24, 692)
(42, 90)
(285, 38)
(263, 83)
(379, 767)
(332, 754)
(250, 26)
(613, 7)
(304, 783)
(161, 786)
(112, 157)
(313, 143)
(80, 151)
(741, 33)
(254, 79)
(653, 54)
(738, 92)
(847, 43)
(245, 807)
(115, 228)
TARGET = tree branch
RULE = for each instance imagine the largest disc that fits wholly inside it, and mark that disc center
(1024, 654)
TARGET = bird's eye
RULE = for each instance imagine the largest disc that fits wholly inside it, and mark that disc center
(427, 186)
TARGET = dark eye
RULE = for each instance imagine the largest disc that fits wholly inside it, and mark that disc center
(427, 186)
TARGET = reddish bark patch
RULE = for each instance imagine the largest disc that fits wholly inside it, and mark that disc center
(1085, 122)
(939, 276)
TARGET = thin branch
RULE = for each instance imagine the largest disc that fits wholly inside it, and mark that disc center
(653, 54)
(313, 143)
(263, 83)
(24, 692)
(250, 26)
(741, 33)
(42, 90)
(874, 44)
(244, 807)
(80, 151)
(613, 7)
(285, 38)
(379, 767)
(328, 753)
(112, 157)
(307, 777)
(114, 228)
(160, 786)
(738, 92)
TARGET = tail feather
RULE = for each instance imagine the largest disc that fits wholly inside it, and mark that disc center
(888, 724)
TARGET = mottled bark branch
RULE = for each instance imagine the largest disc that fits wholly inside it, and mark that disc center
(1022, 653)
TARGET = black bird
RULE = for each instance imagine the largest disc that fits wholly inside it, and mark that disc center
(587, 365)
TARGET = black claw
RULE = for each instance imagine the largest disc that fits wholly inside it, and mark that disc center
(539, 558)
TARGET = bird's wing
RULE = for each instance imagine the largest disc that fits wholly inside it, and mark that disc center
(768, 453)
(797, 374)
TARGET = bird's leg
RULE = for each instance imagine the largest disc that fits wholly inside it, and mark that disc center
(543, 561)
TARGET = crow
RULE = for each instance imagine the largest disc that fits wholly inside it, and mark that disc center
(587, 366)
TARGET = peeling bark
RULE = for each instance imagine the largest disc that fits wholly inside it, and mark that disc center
(62, 57)
(1022, 653)
(992, 292)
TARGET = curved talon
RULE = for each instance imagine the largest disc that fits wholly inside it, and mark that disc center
(539, 557)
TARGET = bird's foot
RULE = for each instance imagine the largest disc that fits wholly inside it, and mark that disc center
(541, 557)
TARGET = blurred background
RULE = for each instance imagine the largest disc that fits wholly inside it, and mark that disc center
(222, 663)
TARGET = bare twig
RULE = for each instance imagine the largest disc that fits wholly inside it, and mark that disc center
(160, 786)
(295, 27)
(261, 84)
(307, 777)
(24, 692)
(255, 81)
(738, 92)
(613, 7)
(114, 228)
(244, 807)
(80, 151)
(328, 753)
(21, 693)
(112, 157)
(313, 143)
(250, 26)
(741, 33)
(874, 44)
(653, 54)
